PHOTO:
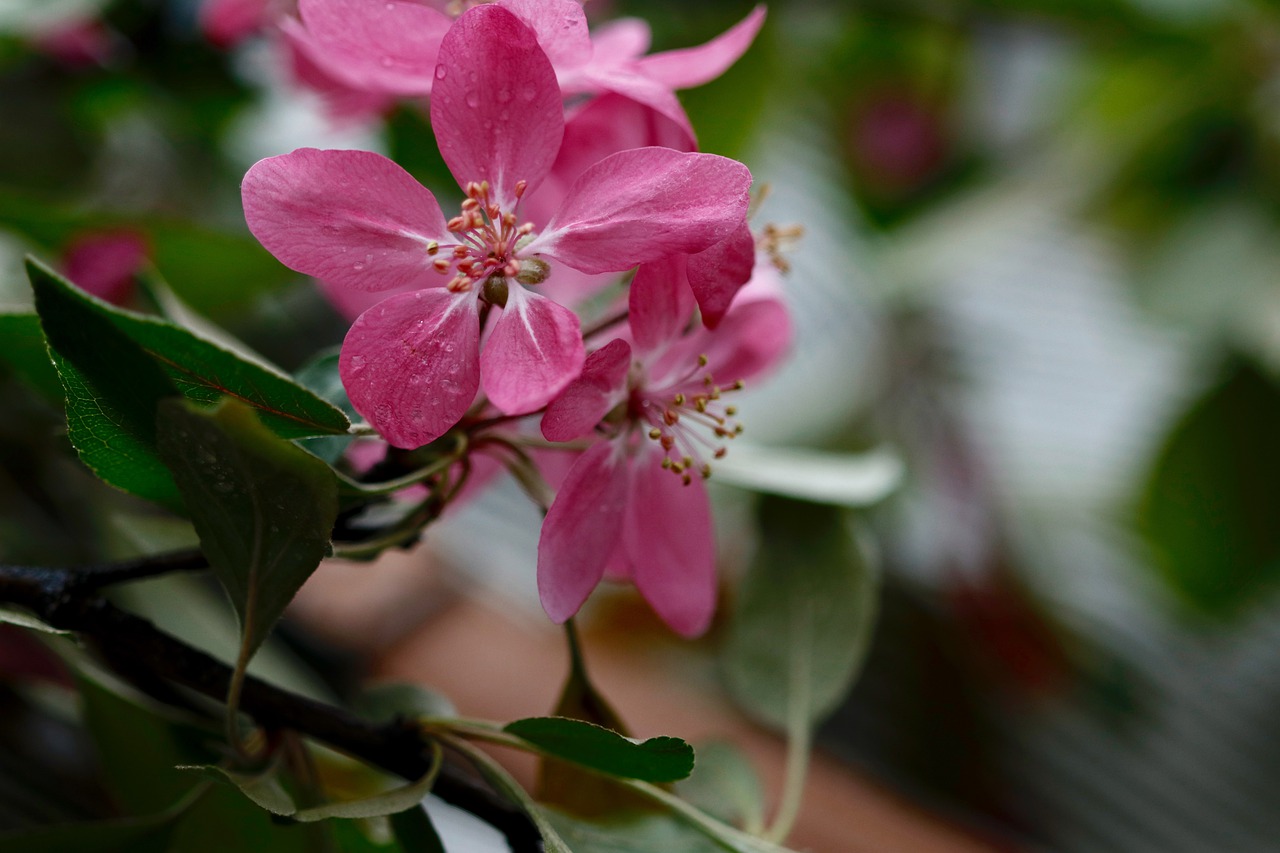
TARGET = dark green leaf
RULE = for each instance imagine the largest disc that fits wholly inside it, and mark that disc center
(112, 388)
(415, 832)
(568, 786)
(24, 351)
(658, 759)
(200, 369)
(804, 615)
(262, 507)
(321, 376)
(1208, 508)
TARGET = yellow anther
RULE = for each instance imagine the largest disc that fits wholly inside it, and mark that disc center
(655, 433)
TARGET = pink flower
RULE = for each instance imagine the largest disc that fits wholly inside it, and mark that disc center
(412, 363)
(390, 47)
(634, 504)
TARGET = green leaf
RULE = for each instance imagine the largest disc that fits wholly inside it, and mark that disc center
(322, 377)
(264, 789)
(389, 700)
(568, 786)
(112, 389)
(658, 759)
(415, 832)
(725, 786)
(1208, 507)
(804, 614)
(262, 507)
(201, 369)
(25, 352)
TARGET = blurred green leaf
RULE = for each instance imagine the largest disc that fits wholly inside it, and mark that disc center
(140, 747)
(215, 272)
(1209, 505)
(630, 833)
(390, 700)
(24, 620)
(802, 622)
(725, 785)
(658, 759)
(263, 508)
(262, 788)
(25, 352)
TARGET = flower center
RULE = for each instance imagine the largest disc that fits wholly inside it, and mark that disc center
(690, 426)
(488, 241)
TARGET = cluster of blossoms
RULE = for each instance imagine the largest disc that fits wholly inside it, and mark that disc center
(476, 314)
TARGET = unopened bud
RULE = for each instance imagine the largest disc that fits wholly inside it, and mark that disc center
(495, 291)
(533, 271)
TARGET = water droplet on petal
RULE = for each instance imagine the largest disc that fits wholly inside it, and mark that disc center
(387, 62)
(473, 99)
(529, 92)
(441, 72)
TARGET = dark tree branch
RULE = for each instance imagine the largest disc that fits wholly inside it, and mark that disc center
(68, 600)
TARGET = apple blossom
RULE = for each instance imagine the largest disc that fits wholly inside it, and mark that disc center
(634, 504)
(412, 363)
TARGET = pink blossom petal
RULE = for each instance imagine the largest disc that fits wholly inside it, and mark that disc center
(589, 398)
(642, 205)
(624, 81)
(225, 22)
(668, 537)
(754, 336)
(612, 123)
(716, 274)
(561, 28)
(660, 303)
(388, 46)
(410, 364)
(581, 531)
(353, 218)
(342, 102)
(693, 66)
(533, 354)
(621, 40)
(495, 106)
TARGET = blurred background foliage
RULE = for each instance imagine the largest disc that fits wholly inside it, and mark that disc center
(1041, 263)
